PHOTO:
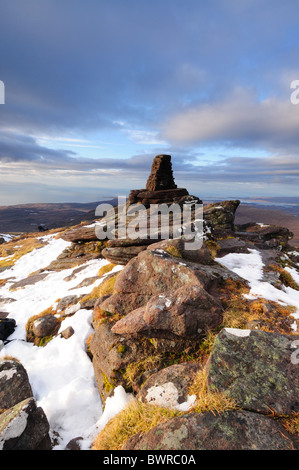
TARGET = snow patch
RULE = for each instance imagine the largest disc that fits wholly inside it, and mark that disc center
(238, 332)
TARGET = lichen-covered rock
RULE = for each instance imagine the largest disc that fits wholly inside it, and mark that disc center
(255, 368)
(14, 383)
(231, 430)
(24, 427)
(221, 214)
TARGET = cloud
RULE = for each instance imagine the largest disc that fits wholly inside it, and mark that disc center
(240, 120)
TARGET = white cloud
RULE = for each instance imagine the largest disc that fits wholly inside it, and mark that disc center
(238, 119)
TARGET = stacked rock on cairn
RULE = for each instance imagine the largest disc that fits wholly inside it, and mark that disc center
(160, 189)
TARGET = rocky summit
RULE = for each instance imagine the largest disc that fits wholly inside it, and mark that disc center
(196, 349)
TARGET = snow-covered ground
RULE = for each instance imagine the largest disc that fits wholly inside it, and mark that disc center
(249, 266)
(61, 374)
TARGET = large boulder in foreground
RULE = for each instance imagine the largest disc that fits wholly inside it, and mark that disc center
(256, 369)
(231, 430)
(188, 312)
(24, 427)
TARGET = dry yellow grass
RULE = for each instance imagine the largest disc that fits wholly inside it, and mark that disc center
(106, 287)
(15, 249)
(134, 418)
(207, 400)
(106, 269)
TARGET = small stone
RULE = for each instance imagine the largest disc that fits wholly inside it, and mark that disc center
(68, 332)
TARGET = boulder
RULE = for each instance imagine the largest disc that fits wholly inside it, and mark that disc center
(24, 427)
(68, 332)
(233, 245)
(7, 327)
(231, 430)
(255, 368)
(188, 312)
(14, 383)
(45, 326)
(66, 301)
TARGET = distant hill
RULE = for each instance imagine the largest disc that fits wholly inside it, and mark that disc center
(28, 217)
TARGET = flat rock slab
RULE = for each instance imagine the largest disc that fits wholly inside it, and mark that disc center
(256, 369)
(28, 281)
(232, 430)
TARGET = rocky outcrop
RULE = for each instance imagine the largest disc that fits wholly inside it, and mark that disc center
(231, 430)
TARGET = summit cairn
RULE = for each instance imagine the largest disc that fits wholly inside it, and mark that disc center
(161, 176)
(160, 186)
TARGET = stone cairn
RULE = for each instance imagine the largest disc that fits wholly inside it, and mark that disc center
(160, 186)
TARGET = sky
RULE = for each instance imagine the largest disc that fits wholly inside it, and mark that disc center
(94, 89)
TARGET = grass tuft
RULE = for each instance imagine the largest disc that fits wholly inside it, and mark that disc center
(134, 418)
